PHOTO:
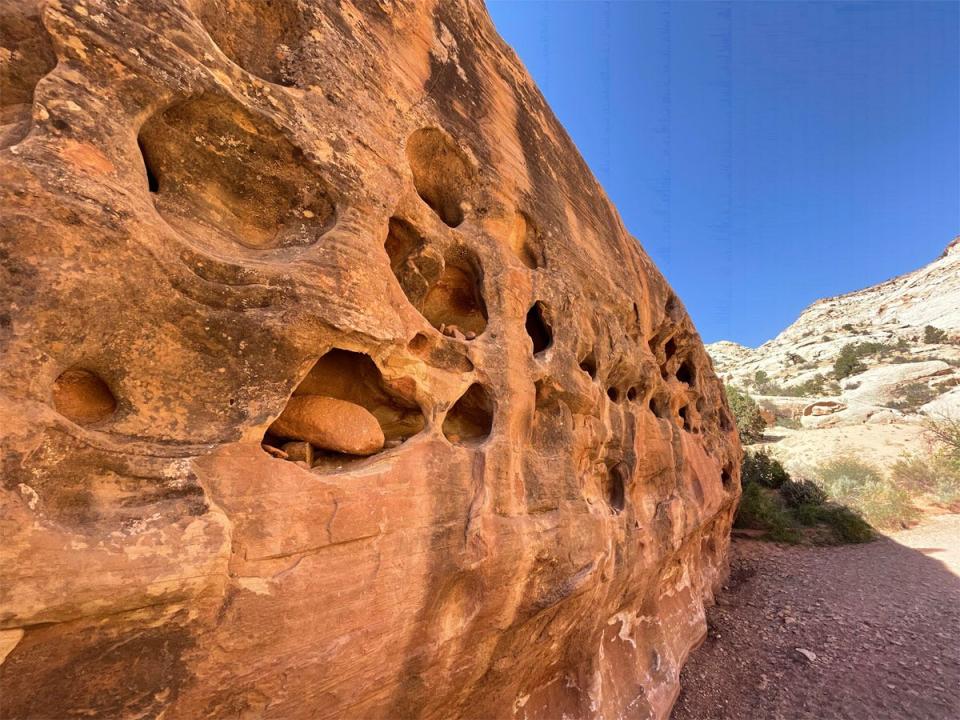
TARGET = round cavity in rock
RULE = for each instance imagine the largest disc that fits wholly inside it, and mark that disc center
(538, 328)
(441, 173)
(726, 477)
(613, 393)
(455, 301)
(471, 417)
(217, 171)
(589, 365)
(83, 397)
(261, 37)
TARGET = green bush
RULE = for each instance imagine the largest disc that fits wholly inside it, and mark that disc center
(934, 335)
(862, 487)
(847, 524)
(760, 510)
(910, 397)
(848, 362)
(790, 423)
(746, 413)
(760, 468)
(937, 476)
(797, 493)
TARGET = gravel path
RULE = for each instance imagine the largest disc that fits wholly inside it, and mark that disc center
(881, 621)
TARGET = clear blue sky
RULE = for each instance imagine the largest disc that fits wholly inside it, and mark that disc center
(765, 154)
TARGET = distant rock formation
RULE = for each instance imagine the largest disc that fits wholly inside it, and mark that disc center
(332, 385)
(908, 373)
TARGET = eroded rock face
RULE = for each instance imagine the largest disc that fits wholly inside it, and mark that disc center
(212, 206)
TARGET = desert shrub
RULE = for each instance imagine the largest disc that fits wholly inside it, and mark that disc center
(910, 397)
(914, 474)
(746, 413)
(848, 362)
(934, 335)
(759, 468)
(862, 487)
(936, 475)
(848, 525)
(790, 423)
(795, 359)
(945, 431)
(760, 509)
(796, 493)
(848, 327)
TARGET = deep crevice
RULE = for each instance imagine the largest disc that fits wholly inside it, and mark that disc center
(538, 328)
(589, 365)
(686, 373)
(614, 487)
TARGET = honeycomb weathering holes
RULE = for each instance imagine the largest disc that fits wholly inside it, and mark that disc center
(218, 171)
(344, 407)
(471, 417)
(538, 328)
(445, 287)
(83, 397)
(27, 56)
(261, 37)
(441, 173)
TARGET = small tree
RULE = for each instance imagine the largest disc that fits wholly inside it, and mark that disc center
(746, 412)
(848, 362)
(934, 335)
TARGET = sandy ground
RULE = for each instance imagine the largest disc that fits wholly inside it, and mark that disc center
(881, 621)
(881, 445)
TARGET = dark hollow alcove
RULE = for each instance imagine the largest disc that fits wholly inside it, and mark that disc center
(538, 328)
(470, 420)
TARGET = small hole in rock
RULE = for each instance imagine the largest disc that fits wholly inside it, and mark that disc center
(589, 365)
(345, 407)
(441, 173)
(471, 417)
(613, 394)
(670, 349)
(153, 184)
(614, 490)
(83, 397)
(685, 416)
(538, 328)
(686, 373)
(442, 354)
(726, 477)
(632, 393)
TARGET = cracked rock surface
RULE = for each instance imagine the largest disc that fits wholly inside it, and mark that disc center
(212, 207)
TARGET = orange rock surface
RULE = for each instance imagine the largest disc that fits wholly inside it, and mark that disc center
(212, 206)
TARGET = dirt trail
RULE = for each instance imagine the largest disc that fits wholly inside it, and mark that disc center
(882, 620)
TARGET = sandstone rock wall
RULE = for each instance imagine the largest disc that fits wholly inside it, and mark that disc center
(213, 206)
